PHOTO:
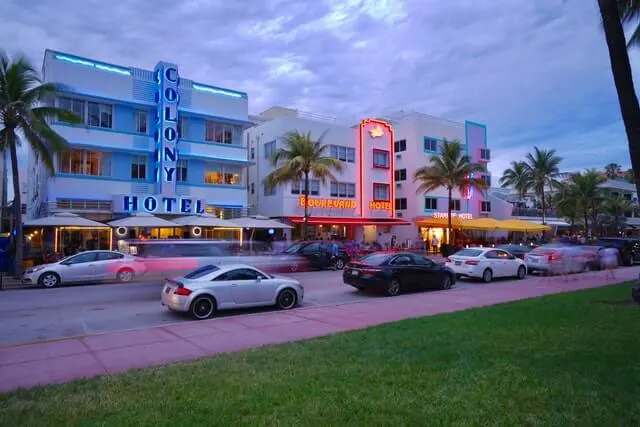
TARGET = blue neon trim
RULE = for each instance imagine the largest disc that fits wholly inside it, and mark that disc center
(218, 91)
(69, 90)
(102, 178)
(214, 159)
(228, 120)
(84, 126)
(100, 66)
(110, 149)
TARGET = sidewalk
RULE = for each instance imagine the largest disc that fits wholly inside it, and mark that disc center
(68, 359)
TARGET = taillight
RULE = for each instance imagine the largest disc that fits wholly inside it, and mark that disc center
(371, 271)
(472, 262)
(182, 291)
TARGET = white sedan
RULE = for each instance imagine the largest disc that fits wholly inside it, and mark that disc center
(486, 263)
(222, 287)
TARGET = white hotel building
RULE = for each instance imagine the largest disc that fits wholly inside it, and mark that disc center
(374, 197)
(149, 141)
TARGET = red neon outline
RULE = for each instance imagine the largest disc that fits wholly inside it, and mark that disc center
(348, 220)
(364, 123)
(377, 150)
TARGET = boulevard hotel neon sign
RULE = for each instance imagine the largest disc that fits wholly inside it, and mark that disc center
(340, 204)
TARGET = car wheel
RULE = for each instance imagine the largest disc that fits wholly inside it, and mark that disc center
(125, 275)
(287, 299)
(203, 307)
(521, 272)
(487, 275)
(586, 268)
(339, 264)
(49, 280)
(393, 288)
(447, 282)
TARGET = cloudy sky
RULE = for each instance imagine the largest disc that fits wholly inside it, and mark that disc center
(536, 72)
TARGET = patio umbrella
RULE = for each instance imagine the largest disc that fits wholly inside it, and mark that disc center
(204, 221)
(64, 219)
(523, 226)
(143, 220)
(259, 222)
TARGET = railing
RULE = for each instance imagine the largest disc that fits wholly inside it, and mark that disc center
(534, 212)
(78, 205)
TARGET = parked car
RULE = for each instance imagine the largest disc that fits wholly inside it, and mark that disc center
(394, 272)
(315, 251)
(629, 248)
(518, 251)
(557, 258)
(592, 257)
(211, 288)
(86, 267)
(486, 264)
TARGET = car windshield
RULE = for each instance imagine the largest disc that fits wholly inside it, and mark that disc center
(375, 259)
(202, 271)
(469, 253)
(294, 248)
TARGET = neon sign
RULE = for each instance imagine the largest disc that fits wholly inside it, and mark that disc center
(166, 135)
(327, 203)
(375, 128)
(376, 132)
(158, 204)
(453, 215)
(374, 205)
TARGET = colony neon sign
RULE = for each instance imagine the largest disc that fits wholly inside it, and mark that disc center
(166, 134)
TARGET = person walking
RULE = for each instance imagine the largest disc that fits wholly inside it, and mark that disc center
(334, 254)
(610, 261)
(434, 244)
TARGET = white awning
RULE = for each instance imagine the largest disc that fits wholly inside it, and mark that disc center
(259, 222)
(64, 219)
(143, 219)
(204, 221)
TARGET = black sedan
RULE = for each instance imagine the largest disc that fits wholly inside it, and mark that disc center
(518, 251)
(393, 272)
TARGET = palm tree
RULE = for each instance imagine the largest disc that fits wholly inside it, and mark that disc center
(517, 177)
(612, 170)
(616, 207)
(299, 159)
(543, 168)
(452, 170)
(614, 14)
(567, 204)
(586, 188)
(629, 176)
(22, 115)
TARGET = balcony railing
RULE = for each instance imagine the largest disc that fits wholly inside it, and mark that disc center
(534, 212)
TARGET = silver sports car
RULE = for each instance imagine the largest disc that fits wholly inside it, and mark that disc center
(222, 287)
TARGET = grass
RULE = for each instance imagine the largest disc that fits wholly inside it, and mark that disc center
(570, 359)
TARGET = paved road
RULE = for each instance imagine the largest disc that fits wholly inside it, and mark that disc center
(38, 314)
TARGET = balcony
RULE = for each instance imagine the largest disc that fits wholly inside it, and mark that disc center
(533, 212)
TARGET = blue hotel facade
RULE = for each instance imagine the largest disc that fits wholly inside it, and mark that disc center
(150, 141)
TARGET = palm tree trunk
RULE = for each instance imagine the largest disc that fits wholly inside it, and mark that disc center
(305, 220)
(449, 226)
(623, 79)
(586, 223)
(17, 205)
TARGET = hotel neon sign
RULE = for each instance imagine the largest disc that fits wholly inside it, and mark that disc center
(453, 215)
(384, 206)
(327, 203)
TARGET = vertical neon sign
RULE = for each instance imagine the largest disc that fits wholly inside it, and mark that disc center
(377, 131)
(166, 134)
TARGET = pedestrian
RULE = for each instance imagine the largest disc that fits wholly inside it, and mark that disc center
(334, 253)
(610, 261)
(323, 256)
(434, 244)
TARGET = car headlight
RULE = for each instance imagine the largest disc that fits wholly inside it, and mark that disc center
(35, 269)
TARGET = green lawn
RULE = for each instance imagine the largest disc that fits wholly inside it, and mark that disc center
(571, 359)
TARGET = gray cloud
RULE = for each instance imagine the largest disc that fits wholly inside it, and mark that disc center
(536, 72)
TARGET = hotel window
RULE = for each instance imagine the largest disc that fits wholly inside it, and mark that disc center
(181, 171)
(139, 167)
(253, 153)
(343, 189)
(100, 115)
(219, 174)
(253, 188)
(400, 175)
(231, 175)
(84, 162)
(220, 134)
(400, 146)
(381, 192)
(380, 159)
(455, 204)
(485, 206)
(430, 144)
(76, 106)
(346, 154)
(430, 204)
(213, 174)
(487, 180)
(183, 128)
(269, 149)
(268, 190)
(297, 187)
(485, 154)
(140, 120)
(401, 204)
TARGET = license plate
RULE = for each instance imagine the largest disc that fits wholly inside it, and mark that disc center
(354, 272)
(458, 262)
(533, 260)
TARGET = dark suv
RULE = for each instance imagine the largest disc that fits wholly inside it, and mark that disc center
(314, 252)
(629, 248)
